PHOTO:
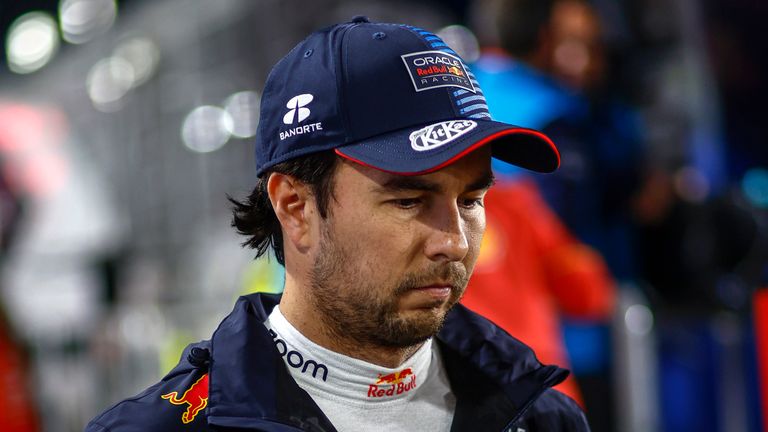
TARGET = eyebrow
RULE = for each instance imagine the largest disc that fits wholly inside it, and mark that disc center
(406, 183)
(483, 183)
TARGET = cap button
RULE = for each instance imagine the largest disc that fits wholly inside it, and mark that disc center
(360, 19)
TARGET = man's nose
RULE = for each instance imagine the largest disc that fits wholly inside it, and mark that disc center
(448, 239)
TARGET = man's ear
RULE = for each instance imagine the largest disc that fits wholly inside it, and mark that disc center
(294, 206)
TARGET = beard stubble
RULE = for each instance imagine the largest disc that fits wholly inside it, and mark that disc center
(354, 308)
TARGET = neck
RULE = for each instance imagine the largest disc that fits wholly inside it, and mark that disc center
(309, 321)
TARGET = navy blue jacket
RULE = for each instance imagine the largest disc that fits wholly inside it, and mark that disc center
(238, 381)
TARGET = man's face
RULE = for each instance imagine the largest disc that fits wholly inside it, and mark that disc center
(396, 252)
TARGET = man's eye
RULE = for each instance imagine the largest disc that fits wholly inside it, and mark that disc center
(471, 203)
(406, 203)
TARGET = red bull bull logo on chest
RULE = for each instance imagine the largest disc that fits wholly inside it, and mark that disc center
(393, 384)
(196, 398)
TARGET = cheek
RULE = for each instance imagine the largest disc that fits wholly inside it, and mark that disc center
(474, 229)
(373, 242)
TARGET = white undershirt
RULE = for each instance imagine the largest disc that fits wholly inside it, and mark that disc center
(360, 396)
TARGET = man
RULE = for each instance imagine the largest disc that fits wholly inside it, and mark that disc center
(373, 157)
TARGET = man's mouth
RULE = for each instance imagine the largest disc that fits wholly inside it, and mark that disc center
(440, 291)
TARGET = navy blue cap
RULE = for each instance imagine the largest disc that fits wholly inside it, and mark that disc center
(389, 96)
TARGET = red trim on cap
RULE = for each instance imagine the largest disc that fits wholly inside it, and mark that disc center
(464, 152)
(495, 136)
(359, 162)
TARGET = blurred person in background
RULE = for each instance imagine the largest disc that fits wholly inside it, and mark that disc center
(702, 232)
(650, 215)
(552, 52)
(372, 166)
(531, 271)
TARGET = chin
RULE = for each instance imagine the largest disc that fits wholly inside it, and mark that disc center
(424, 323)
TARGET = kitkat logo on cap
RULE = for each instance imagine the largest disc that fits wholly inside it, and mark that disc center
(435, 69)
(439, 134)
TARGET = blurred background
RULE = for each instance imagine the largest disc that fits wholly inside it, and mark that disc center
(124, 125)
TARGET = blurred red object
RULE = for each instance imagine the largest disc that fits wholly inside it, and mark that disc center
(761, 336)
(19, 412)
(531, 270)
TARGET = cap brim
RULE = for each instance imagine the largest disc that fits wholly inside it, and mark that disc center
(393, 152)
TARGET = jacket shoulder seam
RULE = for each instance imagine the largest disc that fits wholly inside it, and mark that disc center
(148, 391)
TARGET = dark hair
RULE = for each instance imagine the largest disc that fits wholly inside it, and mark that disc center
(255, 217)
(520, 22)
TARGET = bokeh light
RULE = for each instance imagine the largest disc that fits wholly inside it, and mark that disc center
(134, 62)
(462, 40)
(82, 20)
(31, 42)
(206, 129)
(142, 54)
(639, 319)
(243, 108)
(691, 184)
(108, 81)
(755, 186)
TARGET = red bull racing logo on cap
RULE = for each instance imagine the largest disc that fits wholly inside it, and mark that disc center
(196, 398)
(434, 69)
(392, 384)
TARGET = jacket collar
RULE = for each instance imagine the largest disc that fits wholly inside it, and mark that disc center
(251, 387)
(495, 377)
